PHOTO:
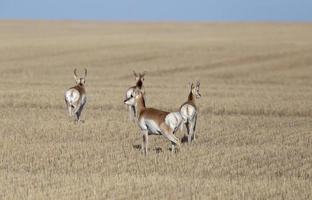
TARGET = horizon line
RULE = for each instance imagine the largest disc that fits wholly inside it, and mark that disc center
(155, 21)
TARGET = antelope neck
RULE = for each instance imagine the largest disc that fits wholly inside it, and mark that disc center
(141, 104)
(191, 97)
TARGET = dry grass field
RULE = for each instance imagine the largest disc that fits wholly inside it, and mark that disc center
(255, 114)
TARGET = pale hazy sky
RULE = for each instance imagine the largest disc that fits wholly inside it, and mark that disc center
(159, 10)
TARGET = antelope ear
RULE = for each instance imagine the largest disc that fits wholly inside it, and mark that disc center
(135, 74)
(143, 74)
(191, 85)
(75, 74)
(197, 83)
(86, 72)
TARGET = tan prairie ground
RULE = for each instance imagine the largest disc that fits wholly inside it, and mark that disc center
(254, 131)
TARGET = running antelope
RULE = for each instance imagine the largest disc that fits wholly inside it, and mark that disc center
(189, 111)
(139, 78)
(154, 122)
(75, 97)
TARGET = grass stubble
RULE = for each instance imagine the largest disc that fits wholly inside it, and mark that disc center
(255, 115)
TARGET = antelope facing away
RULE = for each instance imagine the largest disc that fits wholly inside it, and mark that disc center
(75, 97)
(154, 122)
(139, 78)
(189, 111)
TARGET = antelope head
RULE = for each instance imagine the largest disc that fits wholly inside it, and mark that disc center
(139, 78)
(80, 80)
(195, 89)
(137, 94)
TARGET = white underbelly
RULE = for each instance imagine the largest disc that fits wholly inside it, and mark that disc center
(150, 126)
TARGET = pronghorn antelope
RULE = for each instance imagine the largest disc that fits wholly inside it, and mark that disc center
(75, 97)
(139, 78)
(154, 122)
(189, 111)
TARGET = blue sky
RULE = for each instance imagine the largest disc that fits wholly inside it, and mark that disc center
(159, 10)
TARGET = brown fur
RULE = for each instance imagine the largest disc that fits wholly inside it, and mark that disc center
(190, 97)
(190, 100)
(81, 88)
(150, 113)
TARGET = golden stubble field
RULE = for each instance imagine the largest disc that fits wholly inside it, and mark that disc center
(255, 115)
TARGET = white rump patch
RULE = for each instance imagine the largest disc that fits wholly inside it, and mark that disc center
(187, 112)
(72, 96)
(174, 120)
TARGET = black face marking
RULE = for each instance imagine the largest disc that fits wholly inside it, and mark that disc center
(139, 84)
